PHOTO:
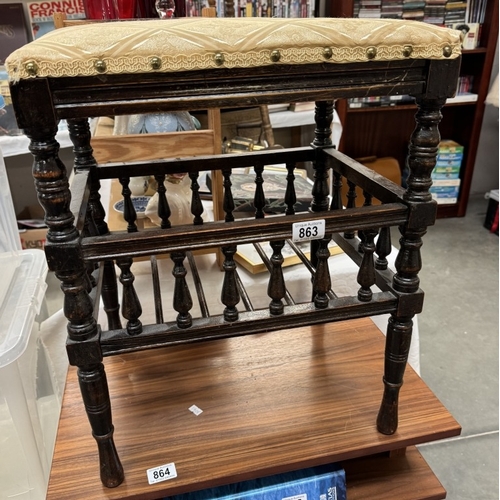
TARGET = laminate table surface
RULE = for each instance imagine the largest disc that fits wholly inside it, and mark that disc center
(271, 403)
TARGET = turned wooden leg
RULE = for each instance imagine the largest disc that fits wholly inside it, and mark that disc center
(95, 394)
(399, 332)
(64, 257)
(422, 156)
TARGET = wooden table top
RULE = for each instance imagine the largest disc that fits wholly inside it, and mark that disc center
(271, 403)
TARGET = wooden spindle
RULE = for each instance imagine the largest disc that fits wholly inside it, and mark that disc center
(290, 195)
(230, 295)
(361, 235)
(196, 204)
(156, 290)
(131, 306)
(267, 262)
(323, 117)
(109, 293)
(351, 203)
(322, 281)
(129, 213)
(366, 274)
(276, 287)
(259, 199)
(164, 211)
(80, 135)
(336, 203)
(182, 301)
(383, 248)
(228, 202)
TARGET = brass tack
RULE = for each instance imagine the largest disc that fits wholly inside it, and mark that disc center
(407, 50)
(371, 52)
(327, 53)
(100, 66)
(31, 68)
(447, 51)
(155, 62)
(219, 59)
(275, 55)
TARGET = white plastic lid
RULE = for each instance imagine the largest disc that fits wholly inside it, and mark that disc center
(22, 296)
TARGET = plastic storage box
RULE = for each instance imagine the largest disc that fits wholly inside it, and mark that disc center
(29, 407)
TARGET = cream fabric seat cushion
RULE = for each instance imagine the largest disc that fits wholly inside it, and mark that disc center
(202, 43)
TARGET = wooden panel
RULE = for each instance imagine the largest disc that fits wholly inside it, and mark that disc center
(271, 403)
(153, 146)
(404, 476)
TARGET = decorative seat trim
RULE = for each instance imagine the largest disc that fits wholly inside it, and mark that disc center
(189, 44)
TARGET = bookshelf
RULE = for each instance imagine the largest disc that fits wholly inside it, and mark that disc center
(462, 118)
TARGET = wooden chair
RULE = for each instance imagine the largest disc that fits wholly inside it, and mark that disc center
(319, 60)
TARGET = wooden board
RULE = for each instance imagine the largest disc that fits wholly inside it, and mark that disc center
(400, 477)
(271, 403)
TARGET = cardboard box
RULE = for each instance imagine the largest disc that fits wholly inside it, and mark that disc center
(31, 234)
(33, 238)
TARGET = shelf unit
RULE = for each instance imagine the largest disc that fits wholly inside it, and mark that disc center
(271, 403)
(461, 121)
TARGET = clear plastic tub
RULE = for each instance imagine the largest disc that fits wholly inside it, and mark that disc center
(29, 406)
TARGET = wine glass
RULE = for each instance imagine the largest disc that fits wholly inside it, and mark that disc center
(165, 8)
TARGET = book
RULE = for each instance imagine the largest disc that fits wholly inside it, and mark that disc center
(248, 257)
(437, 184)
(465, 97)
(438, 176)
(446, 168)
(13, 29)
(324, 481)
(41, 14)
(447, 146)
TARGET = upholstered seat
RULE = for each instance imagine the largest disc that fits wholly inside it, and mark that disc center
(158, 66)
(193, 44)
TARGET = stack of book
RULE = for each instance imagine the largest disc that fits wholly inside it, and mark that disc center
(446, 173)
(435, 11)
(413, 10)
(455, 13)
(370, 9)
(392, 9)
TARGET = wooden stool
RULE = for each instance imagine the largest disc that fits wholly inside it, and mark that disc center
(188, 64)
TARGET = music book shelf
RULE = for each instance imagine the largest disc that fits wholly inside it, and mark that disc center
(266, 410)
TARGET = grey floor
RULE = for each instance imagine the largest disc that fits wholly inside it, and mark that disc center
(458, 347)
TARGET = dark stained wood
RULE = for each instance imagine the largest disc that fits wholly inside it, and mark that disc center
(77, 246)
(271, 403)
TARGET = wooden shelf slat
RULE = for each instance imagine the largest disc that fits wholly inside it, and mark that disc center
(384, 477)
(271, 403)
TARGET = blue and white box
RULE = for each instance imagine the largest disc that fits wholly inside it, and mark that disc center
(325, 482)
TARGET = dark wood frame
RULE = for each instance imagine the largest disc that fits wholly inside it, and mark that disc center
(79, 244)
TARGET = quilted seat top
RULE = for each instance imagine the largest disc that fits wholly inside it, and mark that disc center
(186, 44)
